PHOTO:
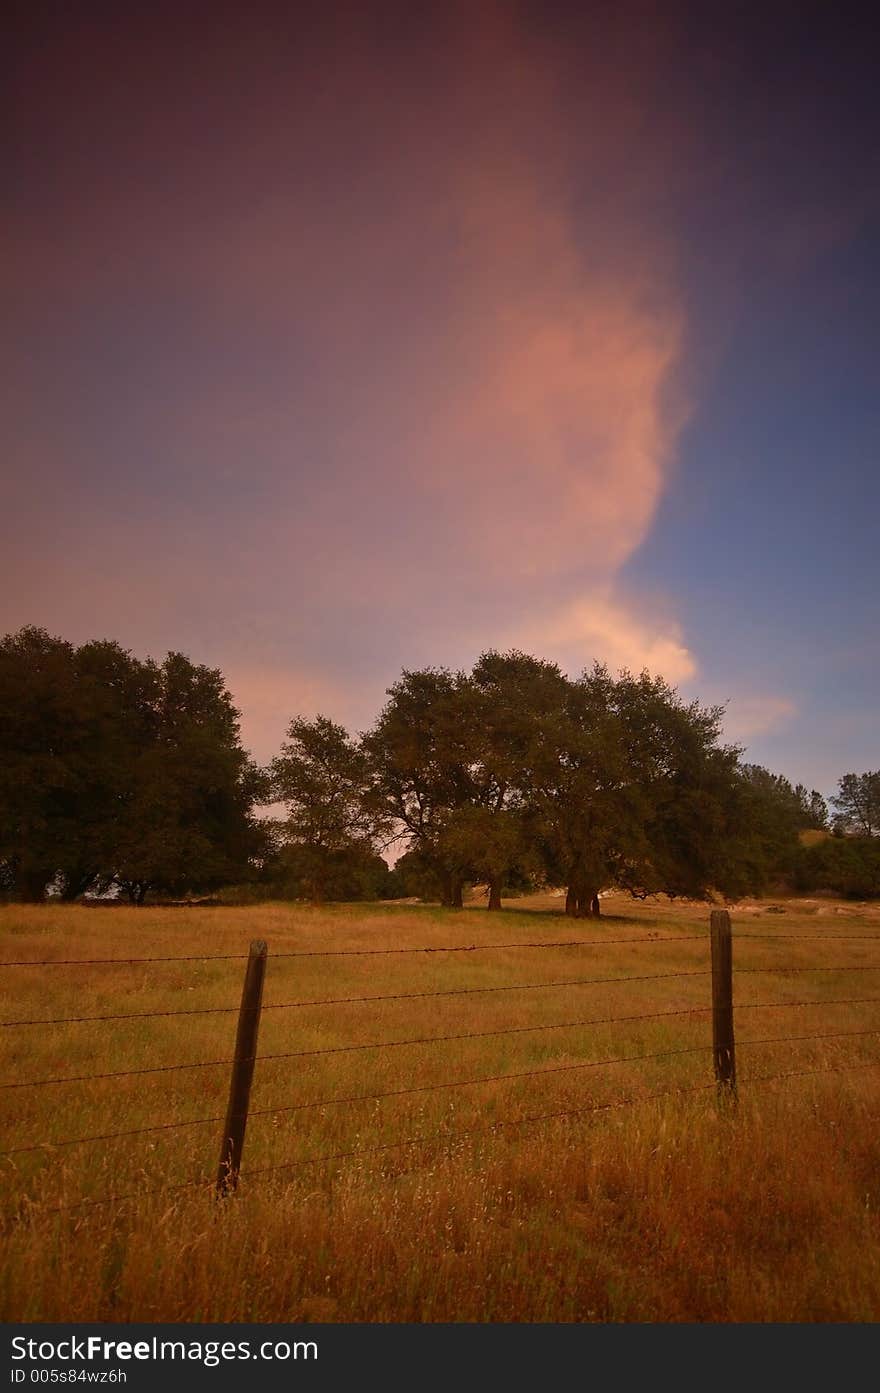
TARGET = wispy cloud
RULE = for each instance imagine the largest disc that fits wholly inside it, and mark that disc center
(598, 627)
(397, 370)
(747, 716)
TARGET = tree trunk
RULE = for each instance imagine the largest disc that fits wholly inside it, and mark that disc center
(585, 901)
(77, 884)
(447, 890)
(457, 902)
(32, 885)
(495, 893)
(571, 902)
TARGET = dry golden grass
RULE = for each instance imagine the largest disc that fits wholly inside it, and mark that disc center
(662, 1209)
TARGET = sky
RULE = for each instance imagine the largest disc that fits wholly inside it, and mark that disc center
(343, 339)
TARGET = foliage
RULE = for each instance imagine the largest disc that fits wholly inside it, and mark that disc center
(353, 872)
(857, 805)
(321, 776)
(772, 814)
(118, 771)
(420, 754)
(848, 866)
(517, 770)
(637, 793)
(411, 877)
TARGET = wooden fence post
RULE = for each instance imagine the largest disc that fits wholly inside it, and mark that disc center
(722, 1003)
(232, 1143)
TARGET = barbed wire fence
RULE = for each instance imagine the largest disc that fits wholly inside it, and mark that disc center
(719, 1009)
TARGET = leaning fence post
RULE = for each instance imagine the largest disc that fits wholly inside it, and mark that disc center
(722, 1003)
(232, 1143)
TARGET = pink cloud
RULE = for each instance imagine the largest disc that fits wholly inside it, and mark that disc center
(429, 392)
(750, 715)
(600, 627)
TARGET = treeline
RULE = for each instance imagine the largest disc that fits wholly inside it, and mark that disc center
(118, 772)
(129, 775)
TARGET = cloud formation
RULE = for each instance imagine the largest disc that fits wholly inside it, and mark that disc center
(751, 715)
(614, 633)
(370, 361)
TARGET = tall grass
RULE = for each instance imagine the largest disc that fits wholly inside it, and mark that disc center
(636, 1207)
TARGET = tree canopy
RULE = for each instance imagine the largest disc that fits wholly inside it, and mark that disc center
(118, 771)
(857, 804)
(321, 777)
(592, 782)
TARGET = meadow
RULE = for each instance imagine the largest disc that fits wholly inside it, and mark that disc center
(600, 1180)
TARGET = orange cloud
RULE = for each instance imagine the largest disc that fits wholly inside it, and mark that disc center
(598, 627)
(413, 361)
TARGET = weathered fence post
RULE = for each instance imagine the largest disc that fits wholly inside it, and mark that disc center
(722, 1003)
(232, 1143)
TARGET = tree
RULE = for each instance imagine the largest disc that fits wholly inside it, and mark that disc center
(39, 729)
(772, 815)
(187, 820)
(321, 777)
(635, 791)
(513, 697)
(65, 724)
(581, 792)
(112, 689)
(858, 805)
(412, 878)
(848, 866)
(113, 769)
(352, 872)
(814, 809)
(420, 753)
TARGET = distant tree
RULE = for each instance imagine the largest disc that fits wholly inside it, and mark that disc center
(41, 730)
(187, 821)
(773, 814)
(857, 805)
(7, 877)
(113, 689)
(848, 866)
(420, 754)
(814, 809)
(686, 787)
(411, 877)
(353, 872)
(637, 792)
(514, 699)
(580, 793)
(321, 777)
(112, 769)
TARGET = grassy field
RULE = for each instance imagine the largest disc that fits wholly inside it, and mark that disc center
(646, 1203)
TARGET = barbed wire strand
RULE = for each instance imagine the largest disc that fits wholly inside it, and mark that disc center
(534, 1118)
(365, 1000)
(356, 1098)
(359, 952)
(824, 938)
(437, 1039)
(428, 949)
(421, 996)
(452, 1137)
(812, 967)
(341, 1100)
